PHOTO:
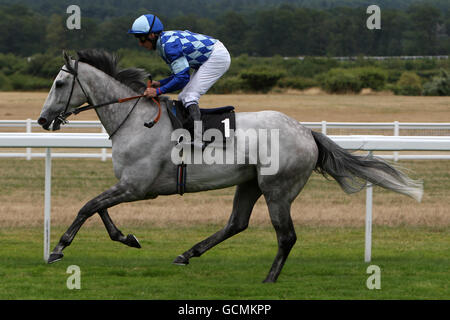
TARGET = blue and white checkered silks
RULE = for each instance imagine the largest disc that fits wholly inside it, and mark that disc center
(196, 48)
(184, 50)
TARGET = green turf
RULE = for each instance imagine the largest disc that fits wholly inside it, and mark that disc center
(326, 263)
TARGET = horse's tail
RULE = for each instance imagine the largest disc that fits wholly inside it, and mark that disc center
(352, 171)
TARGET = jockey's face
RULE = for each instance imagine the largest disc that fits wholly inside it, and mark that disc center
(148, 44)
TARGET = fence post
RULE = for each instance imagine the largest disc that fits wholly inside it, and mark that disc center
(103, 149)
(324, 127)
(369, 201)
(396, 133)
(28, 131)
(47, 202)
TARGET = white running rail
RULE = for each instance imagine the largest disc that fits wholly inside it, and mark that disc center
(349, 127)
(99, 140)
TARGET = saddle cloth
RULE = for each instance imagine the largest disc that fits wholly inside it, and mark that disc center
(222, 119)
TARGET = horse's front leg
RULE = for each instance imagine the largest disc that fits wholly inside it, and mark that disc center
(115, 234)
(111, 197)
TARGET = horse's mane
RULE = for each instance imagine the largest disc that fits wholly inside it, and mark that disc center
(108, 63)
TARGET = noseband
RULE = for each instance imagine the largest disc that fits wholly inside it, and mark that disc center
(62, 117)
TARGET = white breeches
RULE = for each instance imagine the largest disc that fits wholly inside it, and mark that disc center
(208, 74)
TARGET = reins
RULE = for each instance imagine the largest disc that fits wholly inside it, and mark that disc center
(62, 117)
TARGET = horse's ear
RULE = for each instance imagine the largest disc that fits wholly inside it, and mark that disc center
(67, 58)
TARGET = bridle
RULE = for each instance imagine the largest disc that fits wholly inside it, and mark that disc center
(62, 117)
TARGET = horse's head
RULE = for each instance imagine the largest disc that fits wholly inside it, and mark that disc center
(65, 95)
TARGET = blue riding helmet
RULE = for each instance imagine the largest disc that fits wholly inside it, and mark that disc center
(146, 24)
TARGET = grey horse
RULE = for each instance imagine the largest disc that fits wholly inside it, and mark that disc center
(144, 169)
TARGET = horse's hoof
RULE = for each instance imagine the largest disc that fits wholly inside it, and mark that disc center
(181, 260)
(54, 257)
(132, 241)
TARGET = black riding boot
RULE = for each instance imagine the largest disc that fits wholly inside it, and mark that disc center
(195, 114)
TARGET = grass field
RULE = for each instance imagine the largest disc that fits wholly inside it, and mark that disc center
(411, 241)
(326, 263)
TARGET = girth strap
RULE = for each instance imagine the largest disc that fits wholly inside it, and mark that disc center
(181, 178)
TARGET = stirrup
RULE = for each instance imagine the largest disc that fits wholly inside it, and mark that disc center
(194, 112)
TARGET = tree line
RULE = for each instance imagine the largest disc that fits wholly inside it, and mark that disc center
(105, 9)
(260, 34)
(285, 29)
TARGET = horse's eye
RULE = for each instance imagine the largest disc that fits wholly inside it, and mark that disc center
(59, 83)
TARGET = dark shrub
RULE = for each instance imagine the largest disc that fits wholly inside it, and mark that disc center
(229, 85)
(5, 84)
(409, 84)
(341, 81)
(372, 78)
(298, 83)
(27, 82)
(43, 65)
(438, 86)
(260, 80)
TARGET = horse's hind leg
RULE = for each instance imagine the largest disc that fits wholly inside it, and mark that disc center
(245, 198)
(280, 215)
(279, 192)
(115, 234)
(107, 199)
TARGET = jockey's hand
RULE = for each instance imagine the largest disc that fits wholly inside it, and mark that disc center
(150, 93)
(156, 84)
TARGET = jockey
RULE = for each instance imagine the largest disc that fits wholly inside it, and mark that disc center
(182, 51)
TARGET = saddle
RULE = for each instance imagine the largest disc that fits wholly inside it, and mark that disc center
(222, 119)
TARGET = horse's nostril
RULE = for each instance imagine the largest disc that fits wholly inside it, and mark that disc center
(42, 121)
